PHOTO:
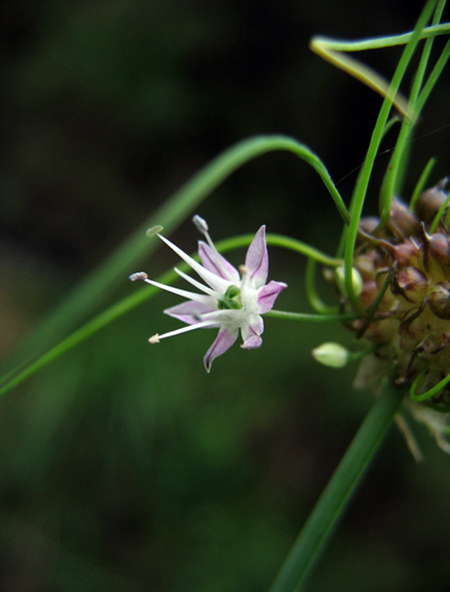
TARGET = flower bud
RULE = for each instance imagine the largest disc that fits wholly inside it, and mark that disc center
(405, 254)
(434, 255)
(429, 203)
(367, 224)
(357, 280)
(331, 354)
(410, 283)
(439, 300)
(369, 293)
(402, 221)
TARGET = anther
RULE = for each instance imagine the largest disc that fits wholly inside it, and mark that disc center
(200, 224)
(154, 230)
(138, 276)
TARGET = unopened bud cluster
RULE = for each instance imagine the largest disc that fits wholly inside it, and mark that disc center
(411, 324)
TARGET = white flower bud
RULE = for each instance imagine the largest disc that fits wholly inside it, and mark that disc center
(331, 354)
(357, 280)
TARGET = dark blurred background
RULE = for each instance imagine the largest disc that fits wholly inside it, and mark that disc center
(125, 467)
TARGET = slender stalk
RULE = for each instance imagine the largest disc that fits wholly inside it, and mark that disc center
(378, 42)
(366, 171)
(396, 170)
(311, 318)
(420, 185)
(334, 499)
(315, 301)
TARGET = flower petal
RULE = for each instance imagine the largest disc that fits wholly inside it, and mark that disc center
(252, 342)
(222, 342)
(257, 259)
(216, 263)
(188, 312)
(251, 333)
(268, 294)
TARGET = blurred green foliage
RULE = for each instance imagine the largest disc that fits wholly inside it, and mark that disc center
(126, 467)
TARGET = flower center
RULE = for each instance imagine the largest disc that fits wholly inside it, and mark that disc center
(232, 299)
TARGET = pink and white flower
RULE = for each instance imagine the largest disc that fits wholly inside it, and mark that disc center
(232, 300)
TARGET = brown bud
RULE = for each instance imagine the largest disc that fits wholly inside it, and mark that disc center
(439, 300)
(369, 223)
(406, 254)
(402, 221)
(369, 293)
(410, 283)
(428, 204)
(434, 255)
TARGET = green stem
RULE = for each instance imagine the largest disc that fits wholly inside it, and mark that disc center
(420, 185)
(292, 244)
(315, 301)
(381, 42)
(396, 170)
(312, 318)
(362, 183)
(334, 499)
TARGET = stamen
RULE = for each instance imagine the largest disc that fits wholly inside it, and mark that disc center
(209, 277)
(202, 227)
(245, 274)
(138, 276)
(199, 285)
(208, 316)
(202, 325)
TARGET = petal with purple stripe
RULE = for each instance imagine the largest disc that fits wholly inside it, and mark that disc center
(188, 312)
(221, 344)
(268, 294)
(216, 263)
(257, 259)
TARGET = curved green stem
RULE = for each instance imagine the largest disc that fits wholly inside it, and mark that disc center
(430, 393)
(379, 42)
(292, 244)
(314, 299)
(334, 499)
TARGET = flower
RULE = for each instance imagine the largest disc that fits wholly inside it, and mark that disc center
(232, 300)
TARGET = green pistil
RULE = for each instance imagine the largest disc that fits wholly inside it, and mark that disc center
(232, 299)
